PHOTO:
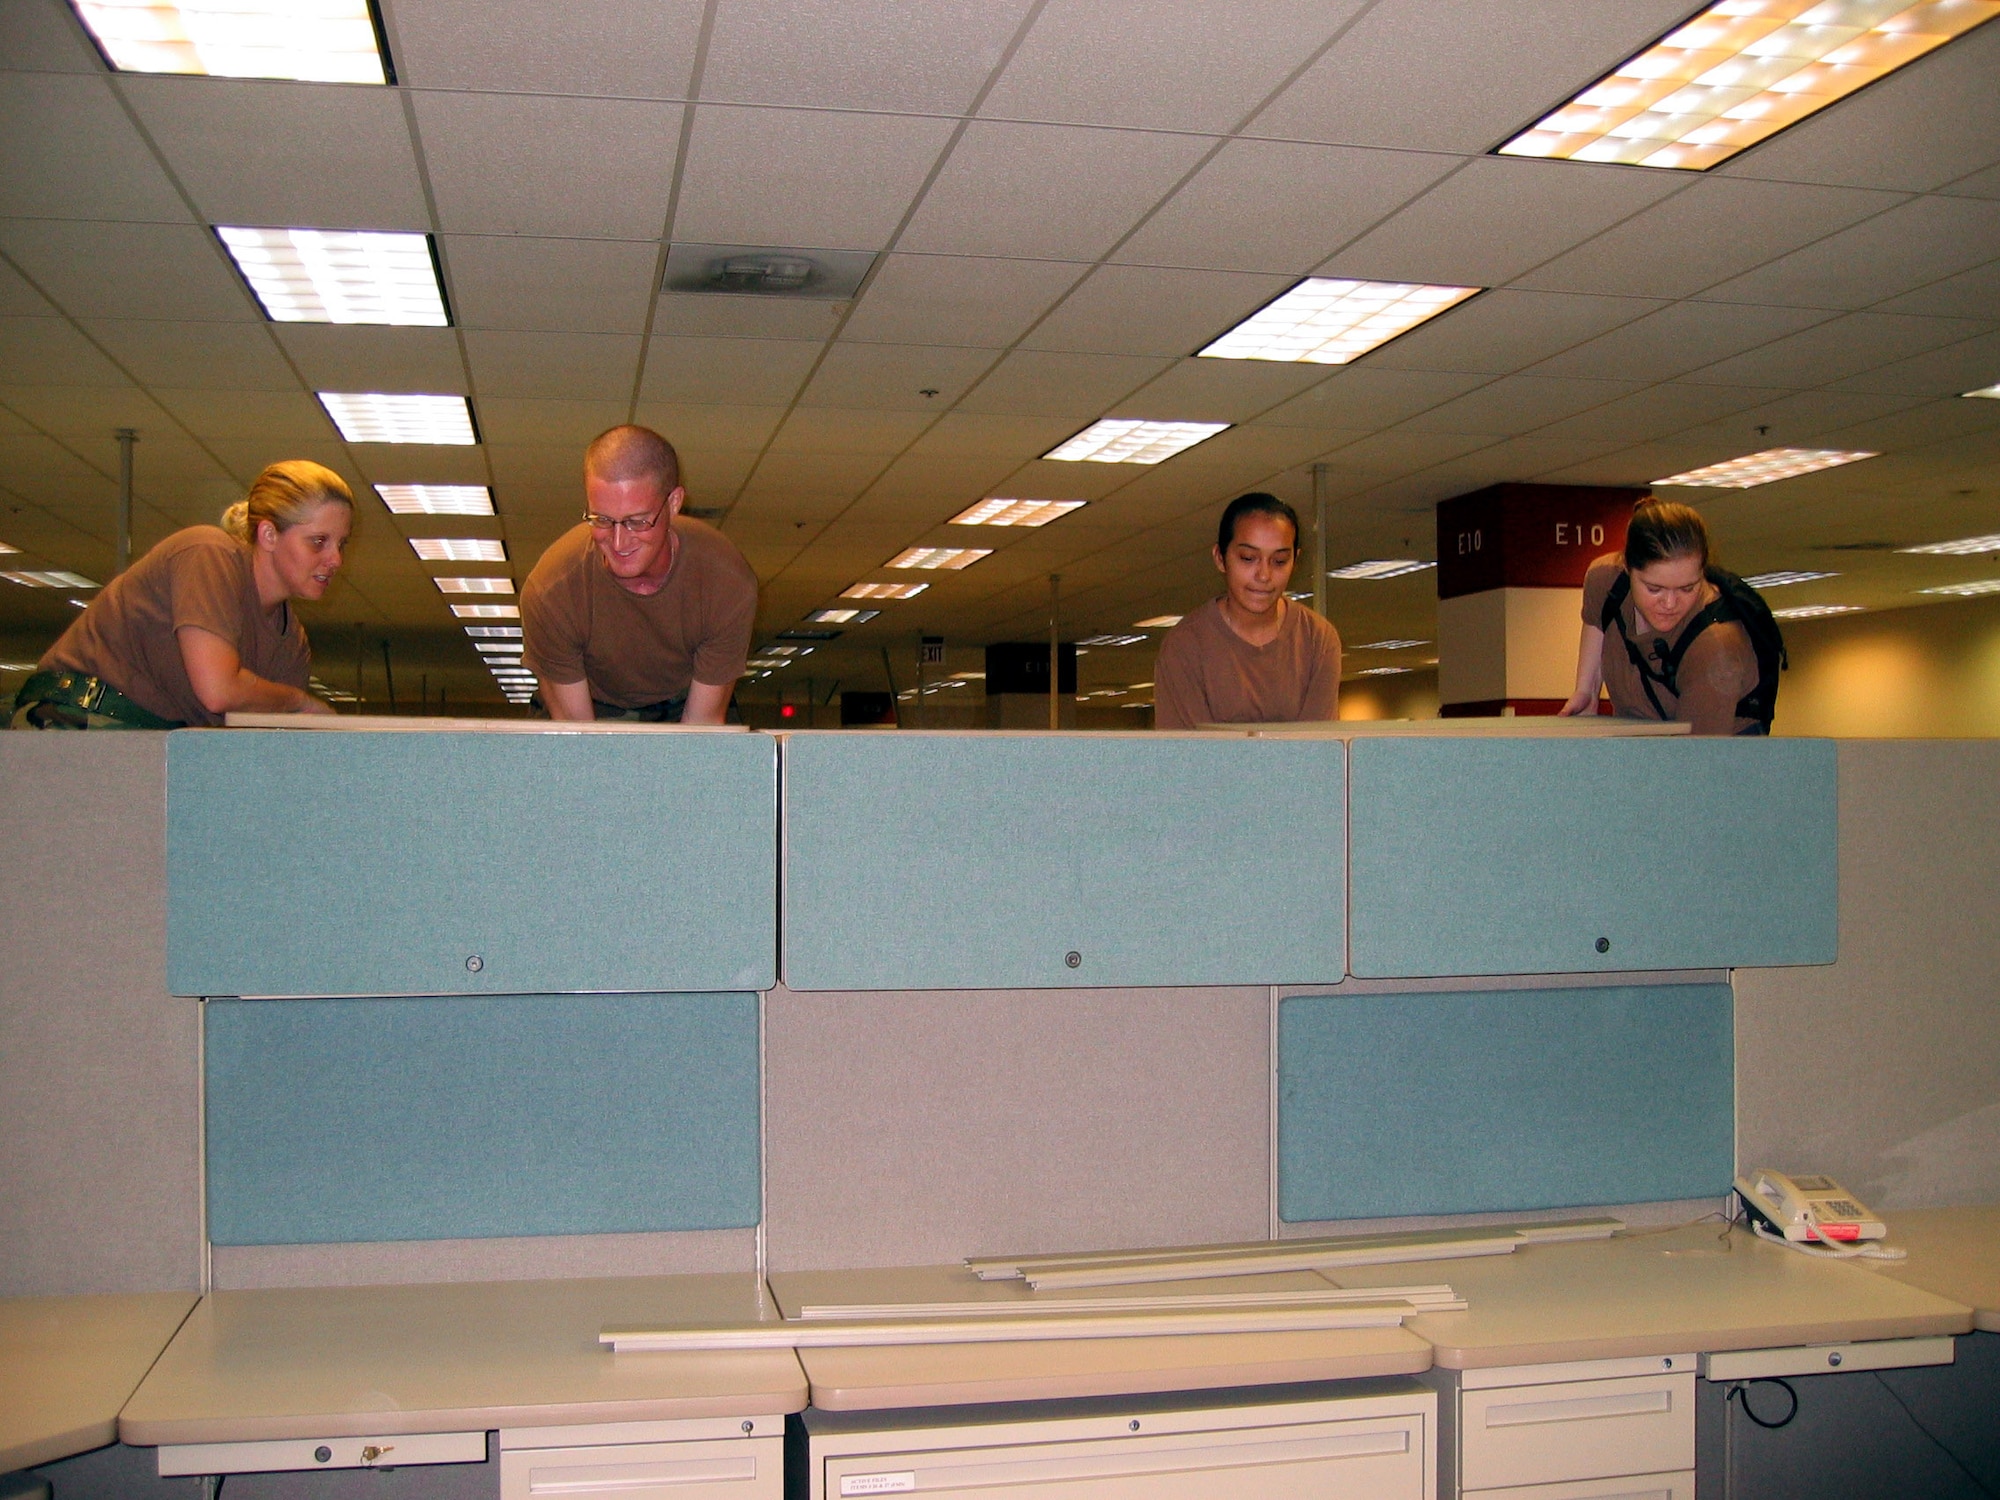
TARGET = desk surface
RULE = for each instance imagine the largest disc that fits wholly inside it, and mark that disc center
(68, 1363)
(1954, 1252)
(1671, 1292)
(469, 1356)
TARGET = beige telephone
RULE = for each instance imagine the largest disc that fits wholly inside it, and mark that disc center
(1812, 1214)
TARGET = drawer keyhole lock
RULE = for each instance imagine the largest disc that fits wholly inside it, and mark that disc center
(1133, 1425)
(322, 1454)
(1604, 945)
(474, 964)
(749, 1427)
(1834, 1359)
(1073, 958)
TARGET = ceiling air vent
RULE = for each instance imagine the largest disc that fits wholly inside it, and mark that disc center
(767, 271)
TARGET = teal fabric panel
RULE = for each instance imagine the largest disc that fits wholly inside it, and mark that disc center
(424, 863)
(1516, 856)
(466, 1118)
(1486, 1101)
(941, 861)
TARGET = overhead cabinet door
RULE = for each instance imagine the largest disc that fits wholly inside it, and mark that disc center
(942, 861)
(359, 863)
(1546, 856)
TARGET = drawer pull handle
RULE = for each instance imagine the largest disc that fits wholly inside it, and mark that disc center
(612, 1479)
(1581, 1408)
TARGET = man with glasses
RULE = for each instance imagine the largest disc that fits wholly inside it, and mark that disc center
(638, 612)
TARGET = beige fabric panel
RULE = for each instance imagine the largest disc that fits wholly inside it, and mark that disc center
(98, 1065)
(1884, 1069)
(916, 1127)
(523, 1258)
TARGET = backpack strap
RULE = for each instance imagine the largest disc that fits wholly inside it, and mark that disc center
(1614, 618)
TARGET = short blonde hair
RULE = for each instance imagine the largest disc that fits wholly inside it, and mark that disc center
(285, 494)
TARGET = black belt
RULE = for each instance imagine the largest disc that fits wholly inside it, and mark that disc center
(93, 695)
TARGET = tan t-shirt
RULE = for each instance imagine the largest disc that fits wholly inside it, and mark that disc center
(1208, 674)
(201, 577)
(1719, 668)
(578, 624)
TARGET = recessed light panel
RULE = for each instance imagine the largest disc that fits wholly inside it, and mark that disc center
(459, 548)
(1739, 72)
(1766, 468)
(437, 499)
(1991, 392)
(49, 578)
(320, 41)
(372, 417)
(1014, 512)
(1965, 546)
(1815, 611)
(1382, 671)
(1375, 568)
(1158, 622)
(1785, 576)
(474, 585)
(1111, 640)
(883, 590)
(487, 611)
(1119, 440)
(1324, 321)
(339, 275)
(1966, 590)
(493, 632)
(4, 548)
(1392, 645)
(933, 558)
(842, 616)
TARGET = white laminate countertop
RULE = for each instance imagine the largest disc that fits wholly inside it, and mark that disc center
(1954, 1252)
(67, 1364)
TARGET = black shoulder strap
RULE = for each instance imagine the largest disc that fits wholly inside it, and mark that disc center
(1614, 618)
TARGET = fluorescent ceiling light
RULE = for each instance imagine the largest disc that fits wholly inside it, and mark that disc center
(493, 632)
(373, 417)
(320, 41)
(1392, 645)
(49, 578)
(1739, 72)
(1138, 685)
(339, 275)
(513, 660)
(1380, 568)
(769, 663)
(500, 647)
(842, 616)
(1325, 321)
(883, 590)
(1766, 468)
(1111, 640)
(1815, 611)
(1990, 391)
(458, 549)
(487, 611)
(785, 651)
(4, 548)
(1966, 590)
(952, 558)
(968, 676)
(1118, 440)
(1014, 512)
(1381, 671)
(437, 499)
(1785, 576)
(1965, 546)
(1158, 622)
(474, 585)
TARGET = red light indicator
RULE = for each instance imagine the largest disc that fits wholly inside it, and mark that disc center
(786, 710)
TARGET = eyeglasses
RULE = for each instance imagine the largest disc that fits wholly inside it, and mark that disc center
(633, 525)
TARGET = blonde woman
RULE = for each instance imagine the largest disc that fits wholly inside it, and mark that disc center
(203, 624)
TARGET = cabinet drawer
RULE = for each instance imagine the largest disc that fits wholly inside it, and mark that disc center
(1579, 1430)
(724, 1469)
(1676, 1486)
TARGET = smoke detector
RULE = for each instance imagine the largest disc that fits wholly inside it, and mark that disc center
(767, 271)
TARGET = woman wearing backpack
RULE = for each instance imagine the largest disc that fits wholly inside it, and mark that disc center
(1671, 638)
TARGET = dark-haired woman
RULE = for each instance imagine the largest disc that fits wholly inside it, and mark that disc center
(1665, 563)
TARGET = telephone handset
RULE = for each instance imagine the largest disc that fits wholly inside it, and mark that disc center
(1813, 1214)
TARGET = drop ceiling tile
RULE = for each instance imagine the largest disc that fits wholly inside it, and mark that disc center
(1838, 348)
(97, 270)
(1816, 419)
(1971, 365)
(727, 372)
(1363, 398)
(533, 420)
(1035, 383)
(863, 54)
(1502, 331)
(849, 432)
(20, 300)
(714, 475)
(1518, 404)
(927, 489)
(412, 361)
(217, 416)
(564, 167)
(255, 152)
(1226, 390)
(1460, 75)
(970, 436)
(809, 178)
(1719, 227)
(1387, 454)
(640, 49)
(1260, 449)
(55, 352)
(1519, 459)
(1159, 64)
(895, 376)
(980, 302)
(1047, 191)
(1984, 184)
(1970, 294)
(1910, 246)
(1920, 127)
(73, 153)
(1043, 480)
(802, 487)
(1153, 310)
(1280, 206)
(41, 36)
(202, 356)
(1972, 428)
(550, 285)
(1498, 218)
(1657, 411)
(553, 366)
(721, 315)
(1683, 337)
(422, 463)
(732, 427)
